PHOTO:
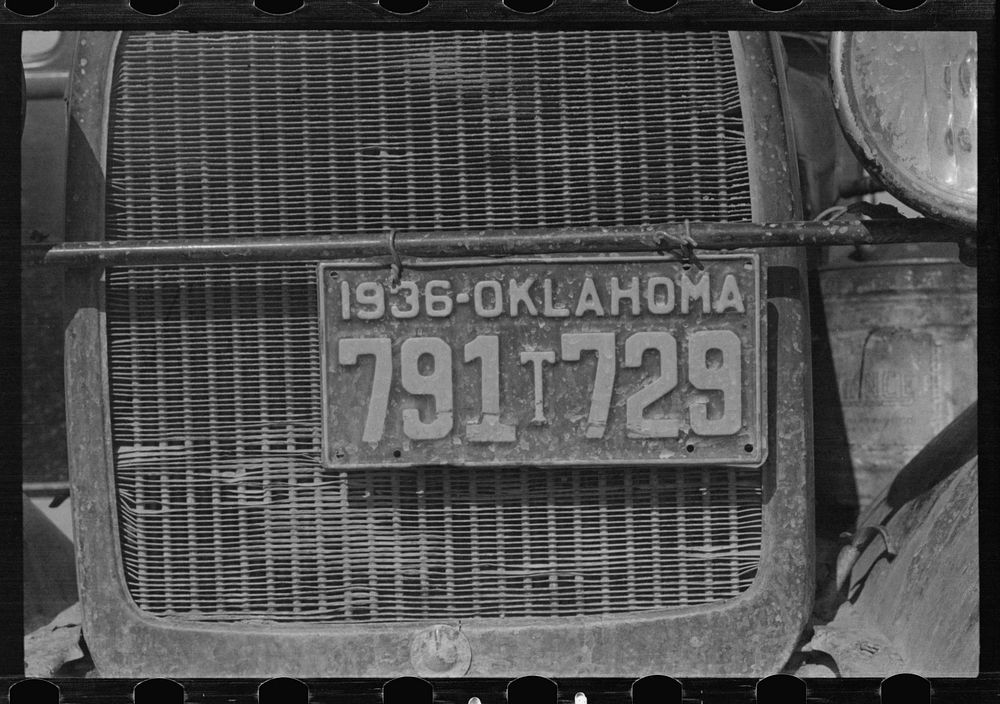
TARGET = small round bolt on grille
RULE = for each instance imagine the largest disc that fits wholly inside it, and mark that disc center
(440, 651)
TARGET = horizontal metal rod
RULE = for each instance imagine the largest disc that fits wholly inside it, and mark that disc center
(33, 489)
(680, 239)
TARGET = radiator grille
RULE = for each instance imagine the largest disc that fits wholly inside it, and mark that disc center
(289, 134)
(225, 511)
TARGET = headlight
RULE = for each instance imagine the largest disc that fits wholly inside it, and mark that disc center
(907, 103)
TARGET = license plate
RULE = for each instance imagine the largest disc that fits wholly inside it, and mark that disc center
(554, 361)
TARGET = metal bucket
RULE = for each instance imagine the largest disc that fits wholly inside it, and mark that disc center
(897, 362)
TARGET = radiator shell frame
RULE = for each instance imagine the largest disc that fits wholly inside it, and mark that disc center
(750, 635)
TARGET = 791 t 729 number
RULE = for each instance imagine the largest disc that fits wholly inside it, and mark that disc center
(427, 368)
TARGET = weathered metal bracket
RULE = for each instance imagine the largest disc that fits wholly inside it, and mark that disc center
(680, 239)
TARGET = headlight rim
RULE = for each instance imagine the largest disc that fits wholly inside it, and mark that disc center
(921, 195)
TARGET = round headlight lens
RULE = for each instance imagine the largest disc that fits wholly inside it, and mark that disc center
(907, 103)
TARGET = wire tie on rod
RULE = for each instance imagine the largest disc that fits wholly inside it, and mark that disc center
(396, 267)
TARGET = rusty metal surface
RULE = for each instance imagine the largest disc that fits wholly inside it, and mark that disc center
(515, 396)
(768, 617)
(902, 339)
(679, 237)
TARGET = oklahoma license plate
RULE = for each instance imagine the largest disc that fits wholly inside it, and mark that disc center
(554, 361)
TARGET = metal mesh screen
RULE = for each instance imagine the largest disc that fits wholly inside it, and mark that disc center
(226, 135)
(226, 513)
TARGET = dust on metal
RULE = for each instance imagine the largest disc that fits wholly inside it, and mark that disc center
(679, 239)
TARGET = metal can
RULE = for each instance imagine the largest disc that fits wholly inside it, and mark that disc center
(897, 362)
